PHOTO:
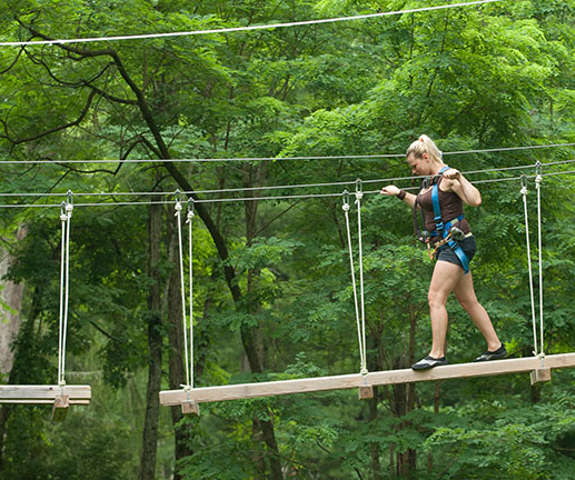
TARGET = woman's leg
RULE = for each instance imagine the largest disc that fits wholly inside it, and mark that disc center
(446, 276)
(465, 294)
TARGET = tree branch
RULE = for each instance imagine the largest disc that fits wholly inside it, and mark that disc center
(73, 123)
(14, 62)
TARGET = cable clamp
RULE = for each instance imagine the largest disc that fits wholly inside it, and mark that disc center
(69, 202)
(538, 177)
(358, 190)
(345, 205)
(524, 185)
(63, 214)
(191, 213)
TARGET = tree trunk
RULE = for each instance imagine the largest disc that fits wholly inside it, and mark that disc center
(254, 349)
(411, 453)
(150, 435)
(404, 402)
(436, 401)
(375, 362)
(23, 360)
(11, 294)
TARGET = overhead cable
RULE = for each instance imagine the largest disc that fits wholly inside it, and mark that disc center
(271, 197)
(241, 29)
(275, 187)
(272, 159)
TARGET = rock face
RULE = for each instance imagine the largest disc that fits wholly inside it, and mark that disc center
(10, 306)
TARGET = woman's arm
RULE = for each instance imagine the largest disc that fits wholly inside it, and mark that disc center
(393, 191)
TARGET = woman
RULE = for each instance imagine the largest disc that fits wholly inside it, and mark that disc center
(449, 233)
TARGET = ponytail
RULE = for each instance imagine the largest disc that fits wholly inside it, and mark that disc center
(422, 145)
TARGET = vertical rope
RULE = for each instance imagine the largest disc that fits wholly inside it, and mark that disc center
(65, 218)
(346, 208)
(178, 215)
(529, 266)
(358, 197)
(191, 292)
(538, 180)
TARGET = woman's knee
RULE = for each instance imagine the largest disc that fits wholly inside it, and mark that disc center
(469, 303)
(436, 299)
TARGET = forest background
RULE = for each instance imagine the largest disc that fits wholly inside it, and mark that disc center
(272, 288)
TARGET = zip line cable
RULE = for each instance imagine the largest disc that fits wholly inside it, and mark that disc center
(271, 159)
(274, 187)
(273, 197)
(243, 29)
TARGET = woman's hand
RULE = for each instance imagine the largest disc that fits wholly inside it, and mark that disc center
(389, 190)
(452, 174)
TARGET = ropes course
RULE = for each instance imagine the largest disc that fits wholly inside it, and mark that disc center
(189, 397)
(539, 365)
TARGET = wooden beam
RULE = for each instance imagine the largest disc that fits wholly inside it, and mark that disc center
(339, 382)
(45, 394)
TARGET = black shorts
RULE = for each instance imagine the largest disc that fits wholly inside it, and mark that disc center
(447, 254)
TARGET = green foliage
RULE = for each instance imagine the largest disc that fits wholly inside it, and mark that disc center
(475, 77)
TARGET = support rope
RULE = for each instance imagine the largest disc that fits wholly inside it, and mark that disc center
(178, 215)
(358, 197)
(538, 180)
(359, 313)
(189, 219)
(188, 347)
(65, 218)
(529, 266)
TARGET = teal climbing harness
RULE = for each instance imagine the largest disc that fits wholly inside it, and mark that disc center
(449, 234)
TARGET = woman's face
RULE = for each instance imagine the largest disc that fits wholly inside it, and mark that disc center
(418, 165)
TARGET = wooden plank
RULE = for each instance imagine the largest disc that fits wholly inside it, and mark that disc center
(45, 394)
(340, 382)
(44, 401)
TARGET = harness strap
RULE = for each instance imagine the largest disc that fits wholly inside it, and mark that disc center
(442, 230)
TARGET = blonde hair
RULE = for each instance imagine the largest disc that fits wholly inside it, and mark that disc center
(422, 145)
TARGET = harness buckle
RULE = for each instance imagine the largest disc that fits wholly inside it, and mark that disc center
(456, 234)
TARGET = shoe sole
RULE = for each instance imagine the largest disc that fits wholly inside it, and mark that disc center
(428, 367)
(493, 357)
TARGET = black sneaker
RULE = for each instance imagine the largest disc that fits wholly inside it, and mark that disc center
(429, 362)
(496, 355)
